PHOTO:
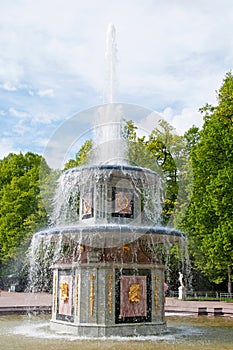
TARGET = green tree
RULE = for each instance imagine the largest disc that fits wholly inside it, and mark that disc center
(169, 150)
(138, 153)
(82, 156)
(21, 209)
(191, 137)
(209, 219)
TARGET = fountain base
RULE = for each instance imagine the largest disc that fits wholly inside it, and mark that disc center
(108, 274)
(95, 331)
(102, 299)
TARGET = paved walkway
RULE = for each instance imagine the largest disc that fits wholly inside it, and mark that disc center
(25, 299)
(185, 306)
(14, 301)
(21, 303)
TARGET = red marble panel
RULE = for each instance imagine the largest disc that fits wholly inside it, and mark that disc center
(133, 301)
(65, 306)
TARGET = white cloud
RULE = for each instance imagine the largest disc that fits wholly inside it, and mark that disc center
(35, 118)
(45, 118)
(46, 93)
(42, 142)
(18, 114)
(7, 146)
(8, 86)
(172, 56)
(148, 123)
(161, 46)
(183, 120)
(21, 129)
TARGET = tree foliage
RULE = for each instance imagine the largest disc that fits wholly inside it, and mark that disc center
(169, 150)
(81, 157)
(21, 209)
(209, 220)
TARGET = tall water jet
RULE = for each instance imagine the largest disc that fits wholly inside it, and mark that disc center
(105, 246)
(109, 146)
(111, 60)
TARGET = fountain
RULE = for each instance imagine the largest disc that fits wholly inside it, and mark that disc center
(108, 274)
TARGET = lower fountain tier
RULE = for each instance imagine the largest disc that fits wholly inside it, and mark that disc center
(98, 300)
(112, 235)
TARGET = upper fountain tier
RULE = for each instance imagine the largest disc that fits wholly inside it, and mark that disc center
(110, 205)
(115, 194)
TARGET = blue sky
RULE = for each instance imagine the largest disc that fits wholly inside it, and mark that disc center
(172, 57)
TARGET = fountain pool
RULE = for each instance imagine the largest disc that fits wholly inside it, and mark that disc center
(183, 332)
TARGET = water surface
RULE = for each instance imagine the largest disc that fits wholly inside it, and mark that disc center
(183, 333)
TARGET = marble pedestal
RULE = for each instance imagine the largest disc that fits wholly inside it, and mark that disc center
(100, 300)
(182, 293)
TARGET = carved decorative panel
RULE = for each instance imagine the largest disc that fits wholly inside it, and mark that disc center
(133, 296)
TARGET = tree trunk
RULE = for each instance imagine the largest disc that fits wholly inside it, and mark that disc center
(229, 279)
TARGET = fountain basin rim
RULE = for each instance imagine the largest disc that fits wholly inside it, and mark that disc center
(115, 228)
(125, 167)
